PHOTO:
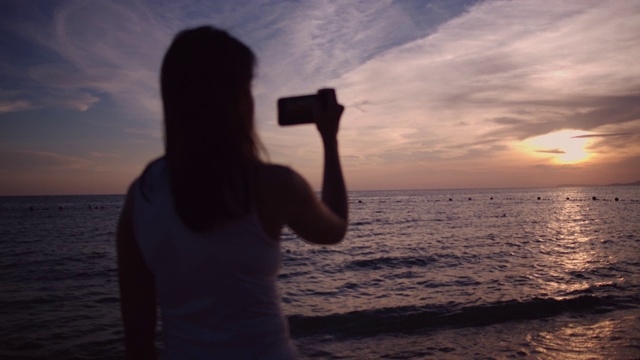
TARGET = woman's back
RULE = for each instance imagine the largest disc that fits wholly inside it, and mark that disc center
(216, 290)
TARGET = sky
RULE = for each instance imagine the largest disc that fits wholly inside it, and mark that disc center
(438, 93)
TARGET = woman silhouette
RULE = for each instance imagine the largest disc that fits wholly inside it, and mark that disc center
(200, 227)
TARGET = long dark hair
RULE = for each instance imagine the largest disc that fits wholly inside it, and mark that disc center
(210, 142)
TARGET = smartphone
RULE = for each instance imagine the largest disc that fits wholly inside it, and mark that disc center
(296, 110)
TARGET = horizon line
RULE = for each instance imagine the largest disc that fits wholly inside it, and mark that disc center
(635, 183)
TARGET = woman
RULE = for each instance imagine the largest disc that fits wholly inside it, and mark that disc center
(199, 229)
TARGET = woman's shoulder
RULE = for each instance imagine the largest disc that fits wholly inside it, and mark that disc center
(280, 186)
(276, 196)
(276, 177)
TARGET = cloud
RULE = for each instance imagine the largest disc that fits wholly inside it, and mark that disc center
(105, 155)
(72, 99)
(316, 42)
(509, 70)
(617, 140)
(12, 101)
(7, 106)
(600, 135)
(16, 161)
(50, 98)
(551, 151)
(104, 49)
(582, 113)
(113, 49)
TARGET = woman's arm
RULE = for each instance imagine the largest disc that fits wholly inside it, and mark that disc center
(137, 290)
(323, 222)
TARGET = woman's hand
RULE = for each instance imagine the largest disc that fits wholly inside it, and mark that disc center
(327, 113)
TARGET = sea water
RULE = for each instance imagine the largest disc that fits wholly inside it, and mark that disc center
(435, 274)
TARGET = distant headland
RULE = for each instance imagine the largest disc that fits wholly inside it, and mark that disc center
(635, 183)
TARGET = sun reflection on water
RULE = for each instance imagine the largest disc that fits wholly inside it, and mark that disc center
(580, 339)
(571, 254)
(572, 259)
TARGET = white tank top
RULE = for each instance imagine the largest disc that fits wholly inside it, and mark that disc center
(217, 290)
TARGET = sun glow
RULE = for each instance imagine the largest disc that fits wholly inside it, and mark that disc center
(564, 147)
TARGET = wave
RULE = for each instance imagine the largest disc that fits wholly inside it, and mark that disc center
(390, 263)
(412, 319)
(399, 262)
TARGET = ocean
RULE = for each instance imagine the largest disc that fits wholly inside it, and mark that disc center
(548, 273)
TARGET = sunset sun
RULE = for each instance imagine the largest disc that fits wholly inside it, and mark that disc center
(563, 147)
